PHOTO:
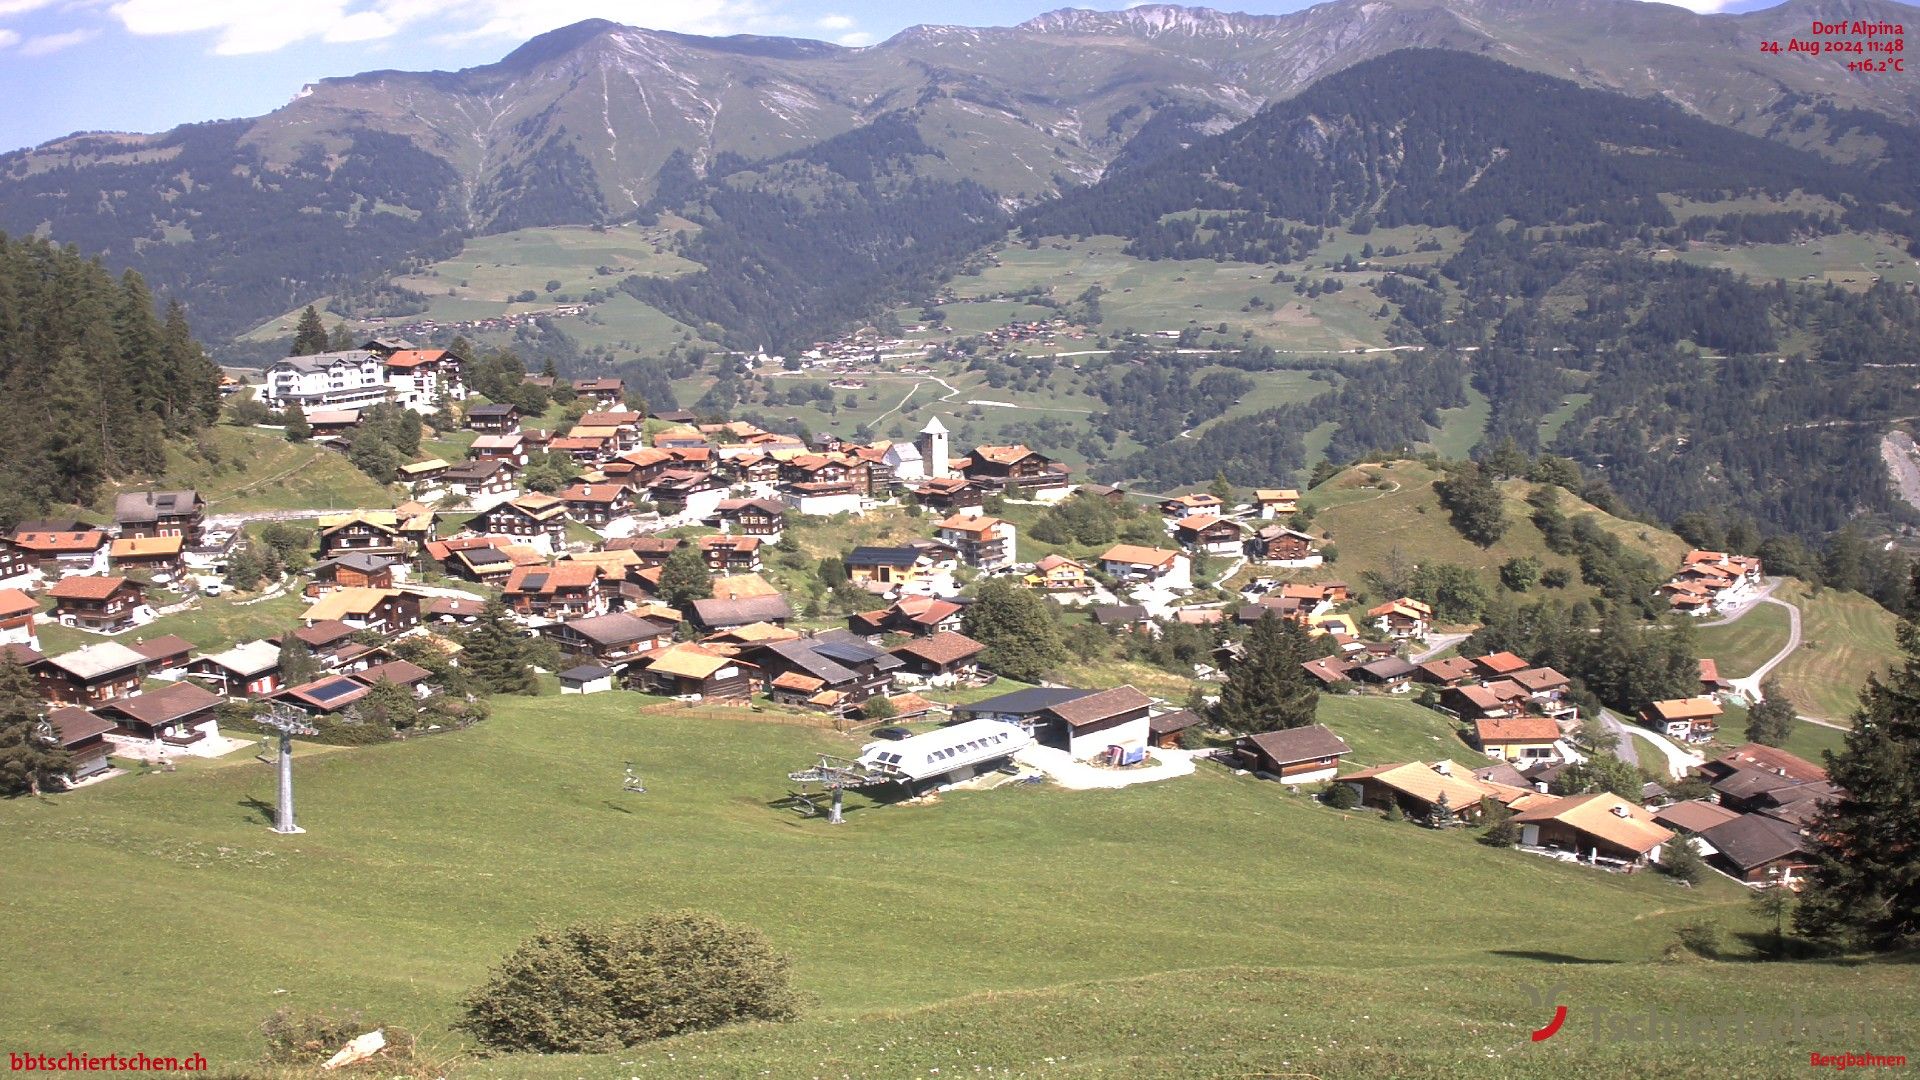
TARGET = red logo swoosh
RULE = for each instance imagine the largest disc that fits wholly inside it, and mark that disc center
(1559, 1017)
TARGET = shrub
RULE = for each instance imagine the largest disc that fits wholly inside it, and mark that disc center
(598, 986)
(878, 708)
(1700, 938)
(1340, 796)
(311, 1038)
(1502, 830)
(1394, 813)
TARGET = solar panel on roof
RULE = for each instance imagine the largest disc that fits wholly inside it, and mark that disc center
(486, 556)
(338, 688)
(535, 581)
(847, 651)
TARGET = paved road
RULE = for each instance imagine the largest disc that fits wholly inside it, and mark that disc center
(1678, 760)
(1436, 645)
(1750, 685)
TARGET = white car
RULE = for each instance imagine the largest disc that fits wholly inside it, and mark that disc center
(212, 588)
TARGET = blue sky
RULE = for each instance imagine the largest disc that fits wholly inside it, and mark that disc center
(147, 65)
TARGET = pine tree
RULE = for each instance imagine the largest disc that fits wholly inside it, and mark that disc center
(1477, 508)
(1019, 628)
(1506, 461)
(1267, 689)
(297, 663)
(341, 339)
(1864, 890)
(1221, 488)
(1771, 722)
(494, 652)
(310, 336)
(685, 577)
(193, 379)
(31, 759)
(299, 430)
(1682, 861)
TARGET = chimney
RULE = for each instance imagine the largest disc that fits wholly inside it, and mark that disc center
(1621, 811)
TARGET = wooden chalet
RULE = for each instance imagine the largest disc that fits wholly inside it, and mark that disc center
(159, 559)
(565, 590)
(1209, 533)
(17, 611)
(1017, 471)
(384, 611)
(483, 476)
(761, 518)
(689, 670)
(91, 675)
(1282, 546)
(104, 605)
(604, 393)
(729, 554)
(179, 715)
(613, 640)
(1598, 827)
(1087, 727)
(596, 505)
(82, 734)
(365, 532)
(161, 513)
(1302, 755)
(849, 668)
(945, 656)
(920, 616)
(494, 419)
(535, 518)
(248, 670)
(354, 570)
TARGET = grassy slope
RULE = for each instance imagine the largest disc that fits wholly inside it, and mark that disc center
(1844, 637)
(1106, 930)
(215, 623)
(259, 469)
(1368, 522)
(1742, 646)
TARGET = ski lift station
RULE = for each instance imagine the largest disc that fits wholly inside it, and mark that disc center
(946, 755)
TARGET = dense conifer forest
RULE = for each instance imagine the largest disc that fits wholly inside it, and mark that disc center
(95, 381)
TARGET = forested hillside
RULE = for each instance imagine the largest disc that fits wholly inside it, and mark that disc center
(1434, 137)
(93, 381)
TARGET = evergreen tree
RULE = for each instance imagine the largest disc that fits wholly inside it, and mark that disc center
(389, 706)
(1682, 862)
(1475, 504)
(1864, 890)
(297, 663)
(31, 759)
(1506, 461)
(833, 570)
(1771, 722)
(1267, 689)
(1502, 830)
(1600, 772)
(1221, 489)
(341, 339)
(685, 577)
(310, 336)
(494, 652)
(1019, 628)
(298, 429)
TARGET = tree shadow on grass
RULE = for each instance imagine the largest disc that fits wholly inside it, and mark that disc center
(1548, 957)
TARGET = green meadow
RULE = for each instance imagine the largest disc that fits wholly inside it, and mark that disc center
(1206, 926)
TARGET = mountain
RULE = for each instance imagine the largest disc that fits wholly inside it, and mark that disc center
(1433, 137)
(358, 175)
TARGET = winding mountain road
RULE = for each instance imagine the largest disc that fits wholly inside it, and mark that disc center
(1750, 684)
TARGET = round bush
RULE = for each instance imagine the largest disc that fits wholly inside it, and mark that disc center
(596, 986)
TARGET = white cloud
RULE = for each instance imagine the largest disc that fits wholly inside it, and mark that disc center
(834, 22)
(252, 26)
(7, 38)
(855, 40)
(48, 44)
(21, 7)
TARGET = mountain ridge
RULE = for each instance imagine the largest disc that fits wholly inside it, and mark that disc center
(576, 125)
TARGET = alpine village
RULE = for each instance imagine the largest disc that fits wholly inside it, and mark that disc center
(1381, 540)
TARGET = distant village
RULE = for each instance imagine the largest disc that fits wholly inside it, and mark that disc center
(582, 569)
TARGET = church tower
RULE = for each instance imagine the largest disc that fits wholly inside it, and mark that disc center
(934, 450)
